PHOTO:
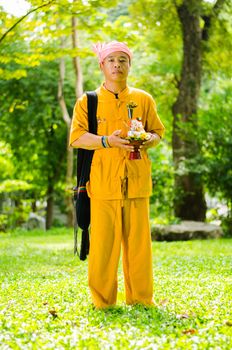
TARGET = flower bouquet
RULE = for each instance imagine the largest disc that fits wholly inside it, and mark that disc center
(137, 136)
(135, 132)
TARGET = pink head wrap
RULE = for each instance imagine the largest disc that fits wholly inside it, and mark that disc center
(103, 50)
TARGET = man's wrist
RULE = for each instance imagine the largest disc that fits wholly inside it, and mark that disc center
(156, 137)
(153, 140)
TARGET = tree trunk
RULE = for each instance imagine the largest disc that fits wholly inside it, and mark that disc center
(67, 119)
(189, 203)
(50, 204)
(76, 60)
(34, 205)
(69, 183)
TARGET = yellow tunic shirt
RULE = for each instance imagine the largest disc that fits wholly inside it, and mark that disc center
(109, 165)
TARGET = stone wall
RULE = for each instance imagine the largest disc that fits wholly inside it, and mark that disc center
(184, 231)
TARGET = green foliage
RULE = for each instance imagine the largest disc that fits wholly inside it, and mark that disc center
(3, 222)
(8, 186)
(162, 179)
(32, 124)
(46, 303)
(6, 164)
(217, 52)
(215, 135)
(226, 224)
(14, 193)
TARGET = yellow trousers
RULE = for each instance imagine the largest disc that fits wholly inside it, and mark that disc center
(115, 223)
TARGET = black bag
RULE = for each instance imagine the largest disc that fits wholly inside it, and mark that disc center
(81, 199)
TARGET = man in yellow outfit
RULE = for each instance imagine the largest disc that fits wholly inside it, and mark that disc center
(119, 188)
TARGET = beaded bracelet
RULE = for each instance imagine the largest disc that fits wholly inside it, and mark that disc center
(105, 142)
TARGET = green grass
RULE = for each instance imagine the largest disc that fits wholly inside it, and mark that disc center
(45, 303)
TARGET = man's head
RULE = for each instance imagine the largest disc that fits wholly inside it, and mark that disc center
(115, 60)
(105, 49)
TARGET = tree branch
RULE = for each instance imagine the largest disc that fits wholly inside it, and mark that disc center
(76, 60)
(60, 94)
(218, 6)
(22, 18)
(208, 19)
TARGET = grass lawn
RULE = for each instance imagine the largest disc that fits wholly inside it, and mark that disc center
(45, 303)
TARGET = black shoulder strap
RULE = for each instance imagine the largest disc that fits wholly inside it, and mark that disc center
(84, 160)
(92, 111)
(84, 157)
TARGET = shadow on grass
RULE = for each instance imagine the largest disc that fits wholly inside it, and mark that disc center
(157, 320)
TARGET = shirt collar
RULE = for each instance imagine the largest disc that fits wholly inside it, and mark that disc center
(110, 95)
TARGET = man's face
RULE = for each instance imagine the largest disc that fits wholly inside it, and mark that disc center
(116, 66)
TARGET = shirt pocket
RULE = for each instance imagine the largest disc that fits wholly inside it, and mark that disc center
(107, 126)
(101, 126)
(140, 167)
(139, 178)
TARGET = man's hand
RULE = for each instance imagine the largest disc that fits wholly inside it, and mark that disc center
(153, 141)
(115, 140)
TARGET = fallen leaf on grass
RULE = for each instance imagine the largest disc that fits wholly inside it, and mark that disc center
(163, 302)
(182, 316)
(189, 331)
(53, 312)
